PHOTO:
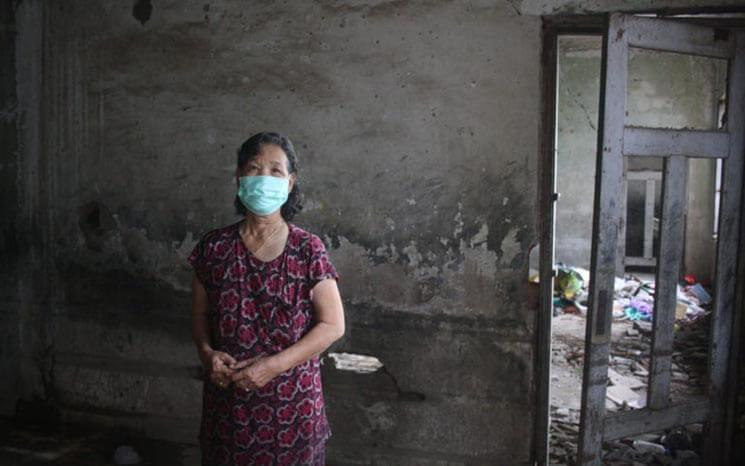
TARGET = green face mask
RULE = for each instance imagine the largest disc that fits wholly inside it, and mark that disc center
(263, 195)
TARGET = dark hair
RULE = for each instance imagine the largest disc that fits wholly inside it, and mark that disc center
(251, 149)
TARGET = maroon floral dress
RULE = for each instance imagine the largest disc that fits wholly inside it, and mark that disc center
(260, 308)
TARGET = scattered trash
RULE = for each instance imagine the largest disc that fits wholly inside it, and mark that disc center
(644, 327)
(700, 293)
(568, 282)
(638, 309)
(633, 297)
(629, 365)
(649, 447)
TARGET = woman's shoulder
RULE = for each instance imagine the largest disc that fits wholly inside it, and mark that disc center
(302, 238)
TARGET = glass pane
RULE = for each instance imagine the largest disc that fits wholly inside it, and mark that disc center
(673, 90)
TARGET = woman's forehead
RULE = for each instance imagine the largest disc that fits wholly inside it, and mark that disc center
(270, 153)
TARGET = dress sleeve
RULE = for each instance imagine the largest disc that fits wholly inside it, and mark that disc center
(320, 267)
(196, 260)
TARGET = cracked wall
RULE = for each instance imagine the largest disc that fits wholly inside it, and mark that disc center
(417, 130)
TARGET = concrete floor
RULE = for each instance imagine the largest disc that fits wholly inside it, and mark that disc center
(32, 445)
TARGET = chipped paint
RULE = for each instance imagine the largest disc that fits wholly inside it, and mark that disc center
(510, 247)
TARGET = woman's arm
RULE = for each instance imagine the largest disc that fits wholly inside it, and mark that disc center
(215, 362)
(329, 327)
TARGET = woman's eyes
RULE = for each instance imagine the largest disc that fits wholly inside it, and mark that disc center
(275, 171)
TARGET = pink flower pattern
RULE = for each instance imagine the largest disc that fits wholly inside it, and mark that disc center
(258, 309)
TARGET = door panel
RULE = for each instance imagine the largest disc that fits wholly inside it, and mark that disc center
(618, 139)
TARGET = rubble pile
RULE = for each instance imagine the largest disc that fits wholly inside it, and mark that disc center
(678, 447)
(628, 368)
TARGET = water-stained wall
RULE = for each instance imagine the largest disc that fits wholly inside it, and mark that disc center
(417, 126)
(417, 131)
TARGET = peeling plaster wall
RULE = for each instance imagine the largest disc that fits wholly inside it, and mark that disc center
(417, 129)
(559, 7)
(416, 125)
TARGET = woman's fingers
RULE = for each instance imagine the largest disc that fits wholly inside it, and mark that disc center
(246, 374)
(252, 377)
(245, 363)
(247, 377)
(224, 358)
(239, 375)
(222, 362)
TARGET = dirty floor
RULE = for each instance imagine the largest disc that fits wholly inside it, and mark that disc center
(31, 445)
(627, 389)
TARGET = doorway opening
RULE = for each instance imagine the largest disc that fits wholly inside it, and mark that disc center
(664, 90)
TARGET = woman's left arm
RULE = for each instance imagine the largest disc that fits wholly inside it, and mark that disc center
(329, 327)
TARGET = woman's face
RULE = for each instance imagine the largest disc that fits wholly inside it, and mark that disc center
(270, 161)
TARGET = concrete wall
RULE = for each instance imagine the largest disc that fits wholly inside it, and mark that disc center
(576, 143)
(417, 130)
(10, 314)
(665, 90)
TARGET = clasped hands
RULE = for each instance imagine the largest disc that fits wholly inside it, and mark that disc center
(247, 375)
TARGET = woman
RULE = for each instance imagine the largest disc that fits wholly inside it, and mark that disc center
(265, 304)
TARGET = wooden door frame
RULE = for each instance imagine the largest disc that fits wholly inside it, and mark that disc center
(553, 27)
(593, 24)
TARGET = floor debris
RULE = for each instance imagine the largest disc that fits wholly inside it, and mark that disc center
(628, 370)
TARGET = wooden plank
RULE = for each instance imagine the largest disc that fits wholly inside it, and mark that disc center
(738, 326)
(547, 176)
(726, 260)
(649, 218)
(675, 37)
(644, 175)
(553, 26)
(623, 219)
(672, 229)
(642, 421)
(641, 261)
(657, 142)
(608, 189)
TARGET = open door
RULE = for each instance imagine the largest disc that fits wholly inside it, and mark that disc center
(616, 141)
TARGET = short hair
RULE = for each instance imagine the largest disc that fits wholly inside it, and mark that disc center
(251, 148)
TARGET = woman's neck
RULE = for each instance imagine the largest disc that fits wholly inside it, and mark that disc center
(258, 226)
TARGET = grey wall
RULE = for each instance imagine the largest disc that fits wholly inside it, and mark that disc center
(576, 142)
(417, 129)
(10, 347)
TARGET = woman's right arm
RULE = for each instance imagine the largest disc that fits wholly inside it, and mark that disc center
(215, 362)
(200, 330)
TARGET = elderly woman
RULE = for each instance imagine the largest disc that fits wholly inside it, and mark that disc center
(265, 305)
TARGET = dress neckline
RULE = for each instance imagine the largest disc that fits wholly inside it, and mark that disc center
(250, 255)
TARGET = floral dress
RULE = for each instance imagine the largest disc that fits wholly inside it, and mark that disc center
(259, 308)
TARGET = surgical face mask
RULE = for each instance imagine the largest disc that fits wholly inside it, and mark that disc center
(263, 195)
